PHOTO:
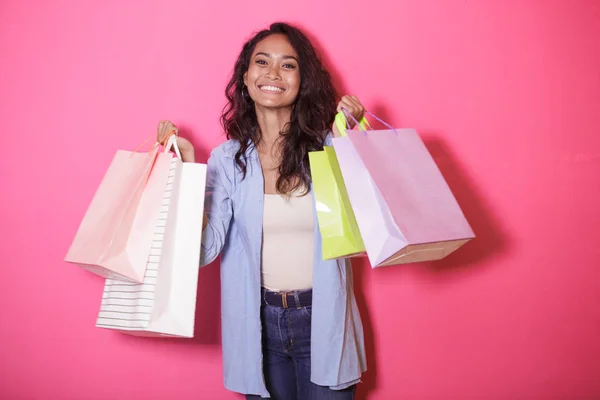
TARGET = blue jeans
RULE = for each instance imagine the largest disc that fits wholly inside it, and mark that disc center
(286, 357)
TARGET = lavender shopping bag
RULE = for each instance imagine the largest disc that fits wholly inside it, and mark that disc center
(404, 208)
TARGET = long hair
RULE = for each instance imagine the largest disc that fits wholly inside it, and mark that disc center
(312, 114)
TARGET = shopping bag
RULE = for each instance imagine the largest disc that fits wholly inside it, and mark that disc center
(340, 236)
(164, 303)
(404, 208)
(115, 236)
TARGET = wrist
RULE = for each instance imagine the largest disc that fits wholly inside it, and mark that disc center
(187, 154)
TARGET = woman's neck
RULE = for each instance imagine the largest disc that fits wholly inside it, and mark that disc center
(271, 123)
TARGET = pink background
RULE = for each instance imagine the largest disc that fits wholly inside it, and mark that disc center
(506, 94)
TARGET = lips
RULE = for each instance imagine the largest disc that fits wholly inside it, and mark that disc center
(271, 89)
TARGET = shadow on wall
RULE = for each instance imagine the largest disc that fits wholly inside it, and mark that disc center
(490, 238)
(336, 78)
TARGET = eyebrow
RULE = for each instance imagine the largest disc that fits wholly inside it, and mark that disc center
(268, 55)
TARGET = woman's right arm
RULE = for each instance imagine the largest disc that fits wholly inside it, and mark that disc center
(218, 208)
(217, 203)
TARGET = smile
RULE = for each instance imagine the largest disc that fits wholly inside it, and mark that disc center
(271, 89)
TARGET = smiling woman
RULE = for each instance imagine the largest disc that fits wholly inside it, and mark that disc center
(291, 327)
(273, 78)
(279, 76)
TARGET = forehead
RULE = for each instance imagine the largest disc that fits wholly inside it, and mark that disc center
(276, 45)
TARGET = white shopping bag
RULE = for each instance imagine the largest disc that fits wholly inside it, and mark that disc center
(164, 304)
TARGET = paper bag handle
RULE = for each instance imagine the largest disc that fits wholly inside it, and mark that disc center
(341, 121)
(172, 133)
(172, 144)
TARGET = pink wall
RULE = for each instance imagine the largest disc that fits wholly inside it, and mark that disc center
(505, 92)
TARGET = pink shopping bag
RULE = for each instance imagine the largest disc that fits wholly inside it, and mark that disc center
(404, 208)
(114, 239)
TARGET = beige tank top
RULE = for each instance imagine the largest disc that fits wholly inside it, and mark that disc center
(288, 243)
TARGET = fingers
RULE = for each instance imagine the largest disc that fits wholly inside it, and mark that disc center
(352, 106)
(165, 128)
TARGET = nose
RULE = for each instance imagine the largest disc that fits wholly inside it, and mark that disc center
(273, 73)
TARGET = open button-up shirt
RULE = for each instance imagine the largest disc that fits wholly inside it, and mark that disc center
(234, 209)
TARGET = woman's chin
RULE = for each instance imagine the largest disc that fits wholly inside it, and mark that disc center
(274, 104)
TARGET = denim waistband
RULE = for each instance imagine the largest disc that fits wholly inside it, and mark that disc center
(289, 299)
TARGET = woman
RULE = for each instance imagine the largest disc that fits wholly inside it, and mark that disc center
(290, 324)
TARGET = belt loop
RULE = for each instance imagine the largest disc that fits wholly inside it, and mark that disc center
(284, 299)
(297, 299)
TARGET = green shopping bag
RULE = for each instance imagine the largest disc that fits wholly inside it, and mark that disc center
(340, 237)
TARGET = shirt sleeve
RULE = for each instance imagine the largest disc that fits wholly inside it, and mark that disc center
(329, 138)
(217, 206)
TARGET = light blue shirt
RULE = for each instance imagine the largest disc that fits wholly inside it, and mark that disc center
(234, 209)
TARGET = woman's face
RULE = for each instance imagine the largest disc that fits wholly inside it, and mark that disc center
(273, 77)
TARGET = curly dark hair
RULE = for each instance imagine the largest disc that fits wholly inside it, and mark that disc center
(311, 118)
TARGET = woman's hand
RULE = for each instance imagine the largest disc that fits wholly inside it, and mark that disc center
(165, 128)
(352, 106)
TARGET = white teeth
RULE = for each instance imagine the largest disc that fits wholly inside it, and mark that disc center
(271, 88)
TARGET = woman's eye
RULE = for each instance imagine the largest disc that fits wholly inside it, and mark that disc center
(261, 62)
(289, 66)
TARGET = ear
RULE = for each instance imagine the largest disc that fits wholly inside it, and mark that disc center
(246, 78)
